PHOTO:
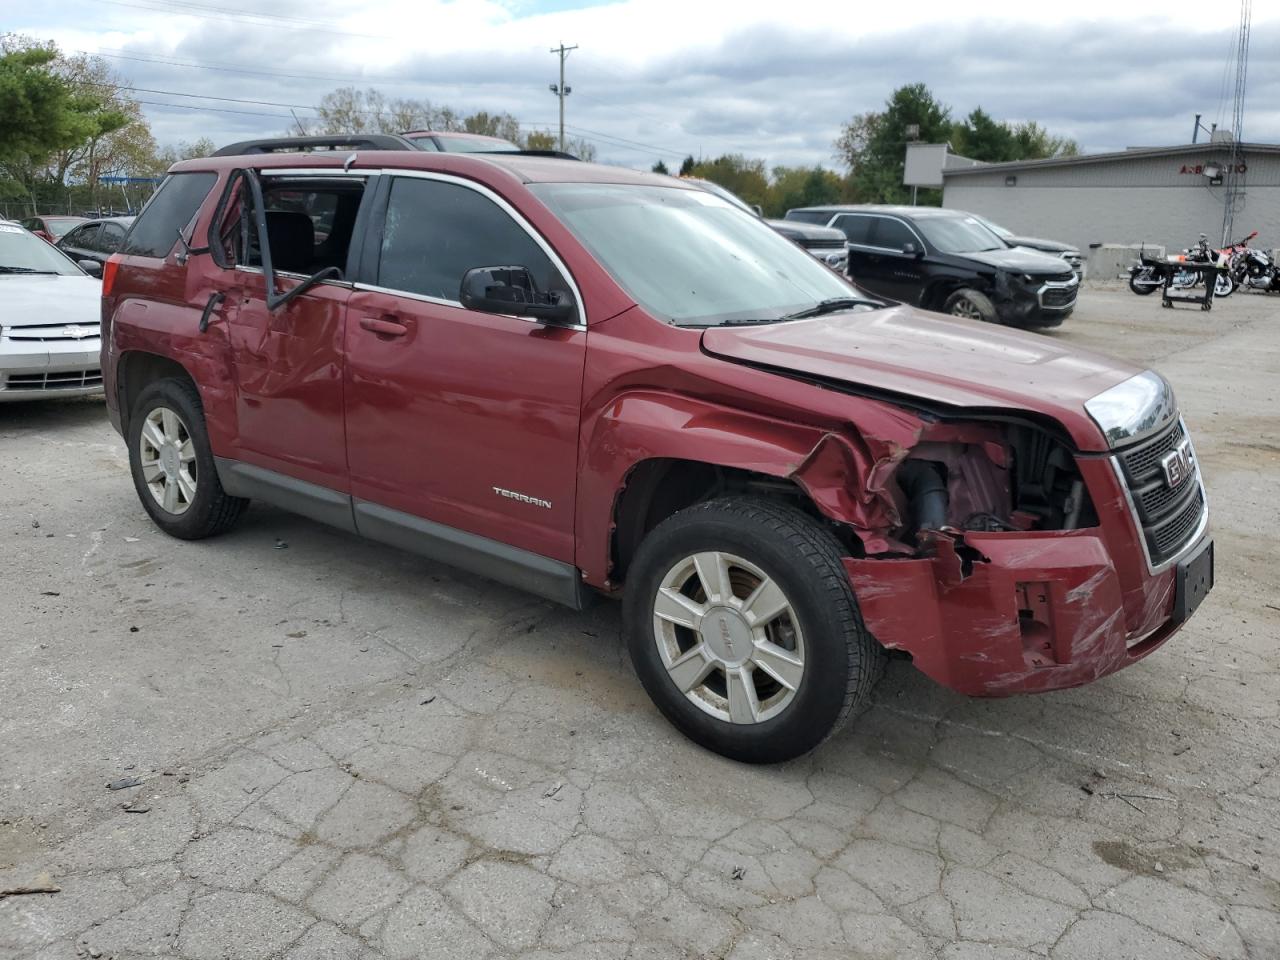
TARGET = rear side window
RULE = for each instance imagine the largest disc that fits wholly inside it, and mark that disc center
(855, 227)
(893, 234)
(109, 239)
(156, 230)
(435, 232)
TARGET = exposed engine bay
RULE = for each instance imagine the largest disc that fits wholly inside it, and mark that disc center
(1008, 477)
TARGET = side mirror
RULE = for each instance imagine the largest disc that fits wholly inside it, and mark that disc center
(92, 267)
(911, 250)
(758, 209)
(511, 291)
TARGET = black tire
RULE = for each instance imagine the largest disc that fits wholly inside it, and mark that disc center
(1142, 290)
(842, 662)
(1224, 285)
(211, 510)
(972, 305)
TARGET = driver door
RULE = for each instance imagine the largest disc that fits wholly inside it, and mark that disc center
(464, 419)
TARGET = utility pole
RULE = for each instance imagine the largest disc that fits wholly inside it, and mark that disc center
(560, 90)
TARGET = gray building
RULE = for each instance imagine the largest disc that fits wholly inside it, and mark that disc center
(1158, 195)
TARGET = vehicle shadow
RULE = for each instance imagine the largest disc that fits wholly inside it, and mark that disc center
(28, 416)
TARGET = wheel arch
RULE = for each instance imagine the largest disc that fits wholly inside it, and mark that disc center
(137, 369)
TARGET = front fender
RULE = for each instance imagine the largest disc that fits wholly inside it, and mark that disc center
(842, 470)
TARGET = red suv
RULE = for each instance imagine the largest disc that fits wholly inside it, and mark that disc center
(584, 380)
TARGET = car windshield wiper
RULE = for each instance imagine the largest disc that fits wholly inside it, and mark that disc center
(831, 306)
(5, 269)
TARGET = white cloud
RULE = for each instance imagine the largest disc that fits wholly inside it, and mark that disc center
(680, 77)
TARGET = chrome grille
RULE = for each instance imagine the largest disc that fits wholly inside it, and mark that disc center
(60, 380)
(54, 331)
(1169, 517)
(1059, 296)
(1142, 463)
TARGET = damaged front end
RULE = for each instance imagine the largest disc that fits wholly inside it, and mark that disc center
(995, 556)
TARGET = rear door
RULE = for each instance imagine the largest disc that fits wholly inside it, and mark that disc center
(288, 362)
(864, 267)
(900, 275)
(465, 419)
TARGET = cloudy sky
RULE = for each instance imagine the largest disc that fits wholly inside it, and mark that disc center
(663, 78)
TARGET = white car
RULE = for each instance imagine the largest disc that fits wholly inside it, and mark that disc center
(50, 312)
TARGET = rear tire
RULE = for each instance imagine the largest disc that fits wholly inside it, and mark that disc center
(971, 305)
(1143, 289)
(744, 630)
(172, 463)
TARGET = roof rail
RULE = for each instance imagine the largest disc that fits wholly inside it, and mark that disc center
(361, 141)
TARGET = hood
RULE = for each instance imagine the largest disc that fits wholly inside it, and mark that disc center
(1037, 243)
(942, 361)
(39, 300)
(795, 230)
(1019, 260)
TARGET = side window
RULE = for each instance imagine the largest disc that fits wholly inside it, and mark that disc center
(893, 234)
(169, 210)
(85, 238)
(110, 238)
(855, 226)
(435, 232)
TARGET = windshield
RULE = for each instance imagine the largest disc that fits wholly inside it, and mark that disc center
(723, 193)
(959, 234)
(474, 145)
(688, 256)
(22, 252)
(995, 228)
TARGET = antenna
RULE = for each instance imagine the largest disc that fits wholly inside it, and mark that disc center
(1234, 192)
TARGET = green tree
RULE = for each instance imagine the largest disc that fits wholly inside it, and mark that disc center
(1034, 142)
(735, 173)
(502, 125)
(51, 117)
(687, 165)
(660, 167)
(981, 137)
(873, 145)
(801, 187)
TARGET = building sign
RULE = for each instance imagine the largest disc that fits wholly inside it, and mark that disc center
(1198, 168)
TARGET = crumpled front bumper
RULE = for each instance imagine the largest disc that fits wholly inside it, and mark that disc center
(1040, 611)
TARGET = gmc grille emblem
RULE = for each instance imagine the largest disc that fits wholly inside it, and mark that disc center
(1177, 465)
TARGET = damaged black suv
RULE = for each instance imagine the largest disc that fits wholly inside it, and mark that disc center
(949, 261)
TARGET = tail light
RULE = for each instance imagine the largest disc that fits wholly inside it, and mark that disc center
(109, 274)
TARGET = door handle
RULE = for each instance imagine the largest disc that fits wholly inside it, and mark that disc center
(384, 326)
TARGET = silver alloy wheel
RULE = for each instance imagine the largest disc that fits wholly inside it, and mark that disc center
(168, 459)
(964, 307)
(728, 637)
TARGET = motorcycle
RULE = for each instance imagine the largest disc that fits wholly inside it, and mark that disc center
(1254, 270)
(1149, 273)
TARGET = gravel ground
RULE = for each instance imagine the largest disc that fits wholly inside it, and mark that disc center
(345, 751)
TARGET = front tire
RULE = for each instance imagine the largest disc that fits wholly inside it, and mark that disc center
(744, 630)
(1223, 285)
(971, 305)
(172, 463)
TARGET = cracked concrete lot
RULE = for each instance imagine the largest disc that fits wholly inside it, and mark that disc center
(347, 752)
